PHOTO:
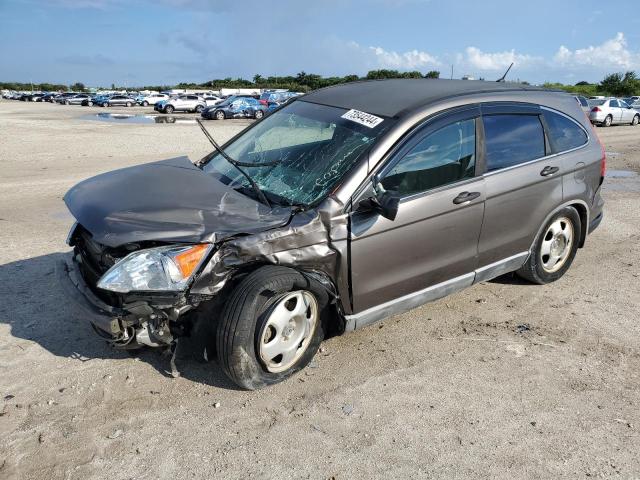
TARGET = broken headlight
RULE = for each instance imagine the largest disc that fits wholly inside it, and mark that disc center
(155, 269)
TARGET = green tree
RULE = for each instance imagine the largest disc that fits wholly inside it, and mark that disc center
(432, 74)
(78, 87)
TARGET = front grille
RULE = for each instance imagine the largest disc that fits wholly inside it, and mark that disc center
(96, 259)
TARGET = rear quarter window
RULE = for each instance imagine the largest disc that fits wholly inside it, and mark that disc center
(564, 133)
(512, 139)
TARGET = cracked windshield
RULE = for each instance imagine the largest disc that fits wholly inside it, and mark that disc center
(301, 152)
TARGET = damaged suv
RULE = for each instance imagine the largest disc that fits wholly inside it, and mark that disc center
(346, 206)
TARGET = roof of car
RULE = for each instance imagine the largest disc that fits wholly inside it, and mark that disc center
(391, 97)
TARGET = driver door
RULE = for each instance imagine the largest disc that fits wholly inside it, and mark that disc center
(431, 247)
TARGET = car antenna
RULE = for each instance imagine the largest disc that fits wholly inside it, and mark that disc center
(236, 164)
(501, 79)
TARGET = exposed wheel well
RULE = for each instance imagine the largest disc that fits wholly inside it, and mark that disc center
(582, 211)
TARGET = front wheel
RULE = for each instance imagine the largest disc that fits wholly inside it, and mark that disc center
(554, 249)
(636, 120)
(128, 104)
(271, 326)
(145, 104)
(168, 109)
(199, 109)
(219, 115)
(259, 114)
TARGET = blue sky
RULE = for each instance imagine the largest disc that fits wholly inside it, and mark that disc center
(126, 42)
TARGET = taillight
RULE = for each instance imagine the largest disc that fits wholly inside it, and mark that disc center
(596, 109)
(263, 102)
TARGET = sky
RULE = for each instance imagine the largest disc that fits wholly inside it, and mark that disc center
(163, 42)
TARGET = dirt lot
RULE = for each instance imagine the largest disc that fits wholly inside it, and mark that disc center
(504, 380)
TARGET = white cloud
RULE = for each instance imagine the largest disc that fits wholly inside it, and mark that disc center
(410, 60)
(613, 53)
(480, 60)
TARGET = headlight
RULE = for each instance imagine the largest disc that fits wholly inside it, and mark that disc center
(155, 269)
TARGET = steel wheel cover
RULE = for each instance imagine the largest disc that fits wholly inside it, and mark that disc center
(288, 330)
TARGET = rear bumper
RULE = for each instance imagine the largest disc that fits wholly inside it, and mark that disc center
(595, 222)
(84, 302)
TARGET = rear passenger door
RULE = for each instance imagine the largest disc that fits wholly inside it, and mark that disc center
(616, 111)
(523, 184)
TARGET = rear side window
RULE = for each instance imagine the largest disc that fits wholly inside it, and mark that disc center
(442, 157)
(512, 139)
(583, 101)
(564, 133)
(614, 104)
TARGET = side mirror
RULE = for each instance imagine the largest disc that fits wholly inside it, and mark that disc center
(385, 202)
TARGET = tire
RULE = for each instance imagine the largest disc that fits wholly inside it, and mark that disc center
(247, 322)
(168, 109)
(219, 115)
(560, 234)
(128, 104)
(636, 120)
(67, 102)
(258, 114)
(607, 121)
(145, 104)
(106, 104)
(199, 109)
(90, 104)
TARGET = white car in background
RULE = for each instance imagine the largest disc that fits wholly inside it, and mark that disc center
(211, 100)
(613, 111)
(153, 99)
(181, 103)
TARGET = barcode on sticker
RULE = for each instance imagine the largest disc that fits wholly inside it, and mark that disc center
(363, 118)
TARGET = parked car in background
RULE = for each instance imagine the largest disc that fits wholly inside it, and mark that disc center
(152, 99)
(584, 103)
(37, 97)
(76, 99)
(116, 100)
(93, 100)
(48, 97)
(63, 97)
(613, 111)
(181, 103)
(211, 100)
(273, 100)
(235, 107)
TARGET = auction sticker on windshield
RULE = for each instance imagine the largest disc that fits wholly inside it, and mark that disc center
(363, 118)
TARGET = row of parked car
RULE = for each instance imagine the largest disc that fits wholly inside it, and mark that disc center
(611, 111)
(208, 105)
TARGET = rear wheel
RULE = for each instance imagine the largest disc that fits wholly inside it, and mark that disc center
(66, 102)
(145, 104)
(219, 115)
(636, 120)
(128, 104)
(199, 109)
(90, 104)
(169, 109)
(608, 121)
(554, 249)
(259, 114)
(271, 326)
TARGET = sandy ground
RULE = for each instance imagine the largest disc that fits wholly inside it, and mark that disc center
(505, 380)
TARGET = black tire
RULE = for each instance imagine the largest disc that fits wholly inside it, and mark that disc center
(533, 269)
(258, 114)
(245, 313)
(219, 115)
(199, 109)
(128, 104)
(636, 120)
(145, 104)
(607, 121)
(168, 109)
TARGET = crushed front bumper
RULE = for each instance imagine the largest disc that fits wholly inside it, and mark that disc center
(105, 318)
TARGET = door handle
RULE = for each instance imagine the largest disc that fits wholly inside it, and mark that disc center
(546, 171)
(465, 197)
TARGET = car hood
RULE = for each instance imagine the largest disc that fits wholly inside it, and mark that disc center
(167, 201)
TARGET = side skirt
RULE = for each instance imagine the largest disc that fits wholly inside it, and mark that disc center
(429, 294)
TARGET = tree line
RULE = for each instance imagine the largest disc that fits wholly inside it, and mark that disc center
(615, 84)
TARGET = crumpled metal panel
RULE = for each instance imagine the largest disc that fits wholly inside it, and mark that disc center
(309, 242)
(166, 201)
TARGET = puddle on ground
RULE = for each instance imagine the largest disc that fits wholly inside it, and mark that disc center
(138, 118)
(621, 174)
(622, 181)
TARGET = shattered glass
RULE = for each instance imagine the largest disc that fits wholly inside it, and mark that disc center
(308, 147)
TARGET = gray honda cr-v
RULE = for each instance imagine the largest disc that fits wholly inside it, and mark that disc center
(346, 206)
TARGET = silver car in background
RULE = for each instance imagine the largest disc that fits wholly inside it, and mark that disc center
(612, 111)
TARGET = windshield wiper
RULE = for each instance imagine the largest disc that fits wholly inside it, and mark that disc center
(236, 164)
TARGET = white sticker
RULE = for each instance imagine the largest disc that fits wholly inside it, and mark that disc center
(363, 118)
